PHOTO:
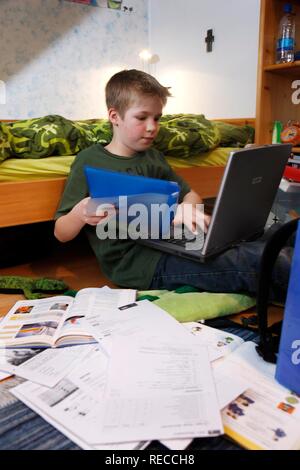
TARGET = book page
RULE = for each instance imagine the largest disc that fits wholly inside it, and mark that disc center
(88, 302)
(44, 366)
(267, 415)
(34, 322)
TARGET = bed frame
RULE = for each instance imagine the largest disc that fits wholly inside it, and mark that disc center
(26, 202)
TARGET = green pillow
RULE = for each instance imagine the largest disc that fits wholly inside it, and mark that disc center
(46, 136)
(195, 306)
(101, 129)
(186, 135)
(234, 136)
(5, 150)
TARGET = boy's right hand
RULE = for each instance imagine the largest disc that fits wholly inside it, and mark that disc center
(101, 215)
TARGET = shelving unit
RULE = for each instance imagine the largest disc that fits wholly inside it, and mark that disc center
(274, 82)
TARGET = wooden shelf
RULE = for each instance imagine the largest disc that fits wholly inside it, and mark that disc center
(275, 88)
(296, 149)
(289, 69)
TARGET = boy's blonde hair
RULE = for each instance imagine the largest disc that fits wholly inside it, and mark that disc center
(124, 86)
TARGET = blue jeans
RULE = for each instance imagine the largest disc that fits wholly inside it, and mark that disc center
(235, 270)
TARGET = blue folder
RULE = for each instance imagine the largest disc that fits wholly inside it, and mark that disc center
(106, 186)
(108, 183)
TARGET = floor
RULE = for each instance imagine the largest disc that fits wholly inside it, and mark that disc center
(72, 262)
(75, 264)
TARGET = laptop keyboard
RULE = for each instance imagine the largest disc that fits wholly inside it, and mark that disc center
(186, 237)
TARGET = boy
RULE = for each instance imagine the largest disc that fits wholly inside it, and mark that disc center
(135, 101)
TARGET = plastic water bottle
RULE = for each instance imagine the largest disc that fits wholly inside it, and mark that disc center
(286, 36)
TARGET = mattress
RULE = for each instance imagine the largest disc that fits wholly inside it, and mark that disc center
(16, 169)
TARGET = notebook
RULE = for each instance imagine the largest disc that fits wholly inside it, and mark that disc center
(242, 206)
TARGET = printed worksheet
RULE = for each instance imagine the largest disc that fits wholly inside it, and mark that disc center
(137, 318)
(167, 392)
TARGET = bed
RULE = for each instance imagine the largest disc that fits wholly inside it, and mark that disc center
(32, 192)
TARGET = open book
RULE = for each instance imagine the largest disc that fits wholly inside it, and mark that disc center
(266, 416)
(60, 320)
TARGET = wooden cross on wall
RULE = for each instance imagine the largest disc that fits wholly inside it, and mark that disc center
(209, 40)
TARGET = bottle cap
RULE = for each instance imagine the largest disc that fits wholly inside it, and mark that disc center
(287, 8)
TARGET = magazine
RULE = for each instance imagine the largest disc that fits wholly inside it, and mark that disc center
(60, 320)
(266, 416)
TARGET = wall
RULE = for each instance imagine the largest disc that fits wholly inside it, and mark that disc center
(221, 83)
(56, 56)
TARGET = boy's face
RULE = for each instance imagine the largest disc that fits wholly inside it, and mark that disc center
(138, 128)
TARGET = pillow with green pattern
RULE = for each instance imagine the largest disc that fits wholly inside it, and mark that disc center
(5, 150)
(186, 135)
(101, 129)
(48, 135)
(234, 136)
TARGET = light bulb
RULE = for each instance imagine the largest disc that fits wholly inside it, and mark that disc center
(145, 55)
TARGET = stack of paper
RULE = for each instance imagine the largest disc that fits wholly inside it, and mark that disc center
(149, 377)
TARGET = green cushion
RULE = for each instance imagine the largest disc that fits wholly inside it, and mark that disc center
(5, 150)
(46, 136)
(234, 136)
(186, 135)
(195, 306)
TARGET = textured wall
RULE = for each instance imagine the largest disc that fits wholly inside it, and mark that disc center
(56, 56)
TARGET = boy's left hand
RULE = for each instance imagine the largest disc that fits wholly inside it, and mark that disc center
(192, 216)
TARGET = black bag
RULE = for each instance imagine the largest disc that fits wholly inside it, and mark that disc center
(270, 336)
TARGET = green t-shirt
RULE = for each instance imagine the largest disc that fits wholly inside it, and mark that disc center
(125, 262)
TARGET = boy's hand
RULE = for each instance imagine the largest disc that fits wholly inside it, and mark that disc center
(193, 216)
(101, 215)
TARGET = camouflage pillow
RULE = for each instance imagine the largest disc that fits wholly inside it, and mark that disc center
(5, 150)
(101, 129)
(234, 136)
(49, 135)
(186, 135)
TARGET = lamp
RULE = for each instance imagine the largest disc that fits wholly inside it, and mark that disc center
(145, 56)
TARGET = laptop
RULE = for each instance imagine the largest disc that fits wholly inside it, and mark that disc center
(243, 204)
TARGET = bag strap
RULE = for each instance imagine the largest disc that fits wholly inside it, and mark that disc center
(268, 345)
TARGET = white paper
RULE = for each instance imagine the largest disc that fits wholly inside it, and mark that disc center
(24, 394)
(162, 391)
(219, 343)
(90, 375)
(228, 388)
(44, 366)
(143, 318)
